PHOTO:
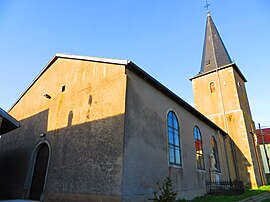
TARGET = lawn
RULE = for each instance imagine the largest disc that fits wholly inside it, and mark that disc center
(248, 193)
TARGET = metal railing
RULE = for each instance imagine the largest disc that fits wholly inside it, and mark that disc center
(228, 187)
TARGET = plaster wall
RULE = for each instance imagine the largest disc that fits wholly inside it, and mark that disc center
(255, 152)
(145, 147)
(228, 107)
(84, 124)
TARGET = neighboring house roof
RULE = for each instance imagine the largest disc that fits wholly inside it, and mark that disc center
(7, 122)
(263, 134)
(138, 71)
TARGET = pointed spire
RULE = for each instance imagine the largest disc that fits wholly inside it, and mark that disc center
(214, 52)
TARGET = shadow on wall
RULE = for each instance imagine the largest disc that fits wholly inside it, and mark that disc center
(86, 159)
(242, 168)
(16, 148)
(70, 118)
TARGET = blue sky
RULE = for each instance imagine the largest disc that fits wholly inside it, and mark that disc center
(165, 38)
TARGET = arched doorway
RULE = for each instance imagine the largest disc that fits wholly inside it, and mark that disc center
(39, 172)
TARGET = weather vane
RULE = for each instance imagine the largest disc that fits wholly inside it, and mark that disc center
(207, 6)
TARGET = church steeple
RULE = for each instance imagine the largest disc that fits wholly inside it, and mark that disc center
(214, 52)
(220, 94)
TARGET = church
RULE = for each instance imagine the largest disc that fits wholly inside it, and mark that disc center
(101, 129)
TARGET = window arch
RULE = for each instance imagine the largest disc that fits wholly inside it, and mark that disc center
(199, 148)
(212, 87)
(37, 174)
(173, 140)
(215, 152)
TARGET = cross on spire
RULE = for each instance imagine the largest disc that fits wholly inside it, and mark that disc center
(207, 6)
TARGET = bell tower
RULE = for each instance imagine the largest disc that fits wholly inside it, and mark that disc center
(220, 94)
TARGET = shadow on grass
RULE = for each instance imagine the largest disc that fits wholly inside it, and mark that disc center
(231, 198)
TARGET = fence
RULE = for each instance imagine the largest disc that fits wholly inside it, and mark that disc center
(225, 187)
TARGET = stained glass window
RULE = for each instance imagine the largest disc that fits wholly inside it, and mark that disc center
(199, 148)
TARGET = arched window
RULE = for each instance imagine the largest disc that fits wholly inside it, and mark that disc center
(212, 87)
(215, 152)
(173, 140)
(199, 148)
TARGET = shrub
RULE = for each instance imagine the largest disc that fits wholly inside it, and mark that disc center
(166, 192)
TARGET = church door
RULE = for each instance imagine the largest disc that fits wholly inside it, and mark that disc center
(39, 173)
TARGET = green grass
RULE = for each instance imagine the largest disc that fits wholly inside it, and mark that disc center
(225, 198)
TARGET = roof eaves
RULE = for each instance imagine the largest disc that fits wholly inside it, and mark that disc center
(8, 123)
(220, 68)
(5, 115)
(144, 75)
(239, 72)
(94, 59)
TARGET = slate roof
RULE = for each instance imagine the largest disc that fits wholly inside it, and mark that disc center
(215, 54)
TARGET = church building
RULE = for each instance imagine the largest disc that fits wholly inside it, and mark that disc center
(100, 129)
(220, 94)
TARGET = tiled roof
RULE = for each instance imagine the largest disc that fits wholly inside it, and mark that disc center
(265, 133)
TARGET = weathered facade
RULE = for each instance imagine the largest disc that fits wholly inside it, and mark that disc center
(82, 116)
(98, 129)
(95, 129)
(220, 94)
(146, 142)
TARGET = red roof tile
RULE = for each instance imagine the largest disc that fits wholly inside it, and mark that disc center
(265, 133)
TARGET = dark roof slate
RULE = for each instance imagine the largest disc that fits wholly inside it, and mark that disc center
(215, 54)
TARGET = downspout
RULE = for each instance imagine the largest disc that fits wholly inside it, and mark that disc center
(258, 156)
(227, 128)
(227, 162)
(266, 155)
(223, 109)
(258, 159)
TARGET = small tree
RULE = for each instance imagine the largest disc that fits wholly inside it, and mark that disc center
(167, 194)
